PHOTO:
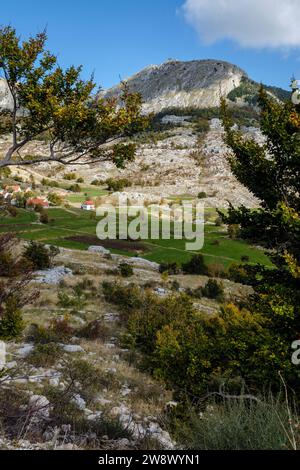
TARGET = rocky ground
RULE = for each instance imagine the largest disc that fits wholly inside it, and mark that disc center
(179, 163)
(126, 395)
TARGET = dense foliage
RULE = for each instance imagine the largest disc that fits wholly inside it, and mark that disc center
(16, 274)
(59, 107)
(195, 353)
(271, 171)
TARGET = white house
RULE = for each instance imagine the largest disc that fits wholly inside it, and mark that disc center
(88, 206)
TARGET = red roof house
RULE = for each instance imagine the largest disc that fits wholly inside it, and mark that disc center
(88, 205)
(35, 201)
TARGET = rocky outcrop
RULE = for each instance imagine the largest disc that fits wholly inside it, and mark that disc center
(6, 101)
(175, 84)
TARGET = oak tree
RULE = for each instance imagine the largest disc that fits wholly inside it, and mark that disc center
(58, 106)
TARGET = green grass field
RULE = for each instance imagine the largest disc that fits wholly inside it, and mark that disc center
(85, 193)
(66, 223)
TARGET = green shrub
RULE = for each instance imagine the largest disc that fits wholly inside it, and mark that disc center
(39, 255)
(12, 211)
(170, 268)
(126, 270)
(238, 273)
(202, 125)
(13, 410)
(55, 199)
(127, 297)
(175, 286)
(51, 184)
(75, 188)
(76, 300)
(7, 266)
(70, 176)
(238, 425)
(45, 355)
(40, 334)
(213, 290)
(44, 218)
(117, 184)
(11, 321)
(202, 195)
(195, 266)
(192, 352)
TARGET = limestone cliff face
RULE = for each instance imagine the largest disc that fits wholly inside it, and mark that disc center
(6, 101)
(174, 84)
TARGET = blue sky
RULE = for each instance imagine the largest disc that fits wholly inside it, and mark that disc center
(115, 38)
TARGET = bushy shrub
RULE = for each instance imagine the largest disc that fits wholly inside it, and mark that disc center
(213, 290)
(238, 273)
(41, 334)
(233, 344)
(175, 286)
(55, 199)
(192, 351)
(117, 184)
(11, 321)
(195, 266)
(93, 330)
(70, 176)
(12, 211)
(45, 355)
(76, 299)
(127, 297)
(75, 188)
(39, 255)
(96, 183)
(126, 270)
(202, 195)
(170, 268)
(44, 217)
(7, 267)
(50, 183)
(61, 328)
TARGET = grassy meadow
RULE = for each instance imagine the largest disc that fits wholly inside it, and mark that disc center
(76, 229)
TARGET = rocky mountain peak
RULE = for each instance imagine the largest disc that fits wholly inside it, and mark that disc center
(196, 83)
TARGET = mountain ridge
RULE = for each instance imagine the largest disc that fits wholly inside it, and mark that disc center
(196, 83)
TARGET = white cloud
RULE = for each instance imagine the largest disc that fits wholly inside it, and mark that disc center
(251, 23)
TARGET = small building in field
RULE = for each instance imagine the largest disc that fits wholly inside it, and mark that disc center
(88, 206)
(34, 202)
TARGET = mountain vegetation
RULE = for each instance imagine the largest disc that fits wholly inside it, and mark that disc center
(59, 105)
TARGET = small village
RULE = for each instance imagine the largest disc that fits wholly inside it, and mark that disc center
(15, 195)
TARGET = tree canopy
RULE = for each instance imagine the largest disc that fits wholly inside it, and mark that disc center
(271, 171)
(58, 105)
